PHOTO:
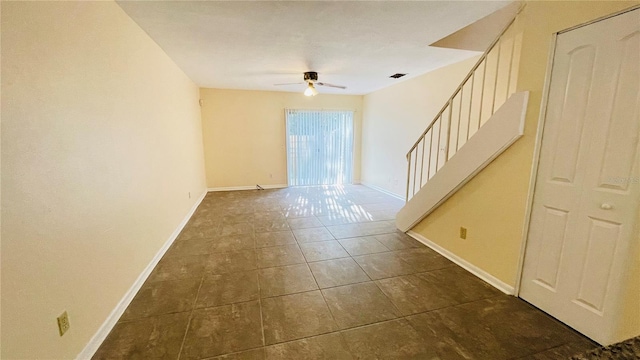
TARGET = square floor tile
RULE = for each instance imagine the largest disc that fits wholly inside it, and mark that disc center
(459, 284)
(202, 220)
(232, 242)
(413, 295)
(346, 231)
(394, 339)
(293, 211)
(359, 304)
(189, 248)
(223, 329)
(565, 351)
(383, 204)
(381, 215)
(244, 214)
(295, 316)
(163, 297)
(270, 225)
(199, 232)
(254, 354)
(230, 219)
(398, 241)
(362, 229)
(243, 228)
(383, 265)
(363, 245)
(229, 288)
(304, 222)
(275, 238)
(157, 337)
(269, 215)
(337, 272)
(378, 227)
(266, 207)
(231, 261)
(423, 259)
(322, 347)
(502, 327)
(312, 234)
(323, 250)
(279, 256)
(286, 280)
(179, 267)
(339, 219)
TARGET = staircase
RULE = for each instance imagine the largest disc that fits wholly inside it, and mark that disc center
(482, 118)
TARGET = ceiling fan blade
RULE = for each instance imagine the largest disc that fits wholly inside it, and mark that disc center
(331, 85)
(296, 83)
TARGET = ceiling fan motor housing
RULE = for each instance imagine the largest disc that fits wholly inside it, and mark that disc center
(311, 76)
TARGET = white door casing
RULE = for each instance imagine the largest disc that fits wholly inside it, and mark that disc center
(587, 191)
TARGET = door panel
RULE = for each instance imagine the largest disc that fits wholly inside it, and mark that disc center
(600, 251)
(622, 139)
(550, 253)
(587, 192)
(569, 137)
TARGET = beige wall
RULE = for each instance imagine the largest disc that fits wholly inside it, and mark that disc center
(101, 146)
(394, 117)
(244, 133)
(492, 205)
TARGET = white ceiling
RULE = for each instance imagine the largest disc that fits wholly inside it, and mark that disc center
(255, 44)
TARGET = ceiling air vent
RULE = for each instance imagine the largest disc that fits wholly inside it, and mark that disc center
(397, 76)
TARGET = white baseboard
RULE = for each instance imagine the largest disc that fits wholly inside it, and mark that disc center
(104, 330)
(377, 188)
(248, 187)
(490, 279)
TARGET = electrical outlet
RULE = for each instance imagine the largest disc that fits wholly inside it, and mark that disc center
(463, 232)
(189, 194)
(63, 323)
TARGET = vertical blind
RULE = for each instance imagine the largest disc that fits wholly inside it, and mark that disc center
(319, 147)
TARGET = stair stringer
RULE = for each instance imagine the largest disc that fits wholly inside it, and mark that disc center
(502, 129)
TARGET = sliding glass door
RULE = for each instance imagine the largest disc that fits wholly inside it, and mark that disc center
(319, 147)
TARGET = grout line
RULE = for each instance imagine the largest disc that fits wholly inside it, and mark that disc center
(326, 304)
(314, 278)
(361, 268)
(257, 270)
(398, 311)
(452, 305)
(264, 342)
(378, 286)
(126, 321)
(186, 332)
(339, 331)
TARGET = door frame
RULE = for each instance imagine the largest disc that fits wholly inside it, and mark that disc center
(540, 135)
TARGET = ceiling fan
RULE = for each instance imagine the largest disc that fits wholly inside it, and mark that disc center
(311, 79)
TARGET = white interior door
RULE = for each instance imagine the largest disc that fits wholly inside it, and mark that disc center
(585, 204)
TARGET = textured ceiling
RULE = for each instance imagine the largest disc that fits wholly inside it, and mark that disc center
(255, 44)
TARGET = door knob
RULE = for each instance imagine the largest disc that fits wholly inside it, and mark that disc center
(606, 206)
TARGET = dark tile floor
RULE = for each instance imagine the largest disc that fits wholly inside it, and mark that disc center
(321, 273)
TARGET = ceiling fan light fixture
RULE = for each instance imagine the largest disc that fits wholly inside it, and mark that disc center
(310, 90)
